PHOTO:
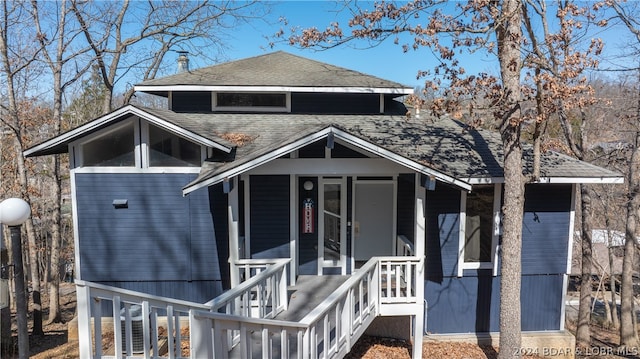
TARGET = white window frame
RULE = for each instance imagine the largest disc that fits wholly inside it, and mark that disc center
(286, 108)
(496, 232)
(141, 151)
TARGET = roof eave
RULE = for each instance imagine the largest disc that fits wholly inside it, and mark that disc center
(400, 91)
(339, 134)
(46, 147)
(555, 179)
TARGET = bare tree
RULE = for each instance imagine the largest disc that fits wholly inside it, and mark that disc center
(628, 335)
(197, 27)
(17, 63)
(57, 53)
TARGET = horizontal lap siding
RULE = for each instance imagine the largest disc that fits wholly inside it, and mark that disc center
(269, 216)
(471, 303)
(454, 305)
(406, 206)
(161, 236)
(545, 229)
(195, 291)
(443, 230)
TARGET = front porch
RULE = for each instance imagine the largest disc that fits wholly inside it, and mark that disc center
(320, 317)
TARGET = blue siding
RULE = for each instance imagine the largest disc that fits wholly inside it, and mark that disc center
(406, 224)
(195, 291)
(270, 229)
(335, 103)
(442, 221)
(161, 236)
(219, 207)
(471, 303)
(545, 229)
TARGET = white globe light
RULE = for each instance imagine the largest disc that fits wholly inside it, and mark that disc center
(14, 211)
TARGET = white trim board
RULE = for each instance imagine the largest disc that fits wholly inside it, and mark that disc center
(116, 115)
(332, 89)
(341, 135)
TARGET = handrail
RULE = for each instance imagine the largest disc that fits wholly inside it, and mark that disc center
(226, 297)
(382, 286)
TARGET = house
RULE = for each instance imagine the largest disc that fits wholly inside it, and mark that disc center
(282, 157)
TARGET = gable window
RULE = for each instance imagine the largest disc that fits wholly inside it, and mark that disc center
(169, 150)
(251, 101)
(479, 227)
(113, 149)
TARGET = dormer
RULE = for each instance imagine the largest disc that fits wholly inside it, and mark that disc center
(278, 83)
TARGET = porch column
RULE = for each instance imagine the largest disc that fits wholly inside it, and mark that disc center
(83, 296)
(419, 247)
(234, 241)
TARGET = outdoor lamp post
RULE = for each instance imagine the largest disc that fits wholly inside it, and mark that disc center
(14, 212)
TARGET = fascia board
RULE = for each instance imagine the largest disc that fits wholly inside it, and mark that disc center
(58, 140)
(321, 134)
(258, 161)
(129, 109)
(168, 88)
(569, 180)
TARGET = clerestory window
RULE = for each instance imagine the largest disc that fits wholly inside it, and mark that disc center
(169, 150)
(249, 101)
(112, 149)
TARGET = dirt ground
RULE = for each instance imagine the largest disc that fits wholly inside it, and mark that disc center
(55, 344)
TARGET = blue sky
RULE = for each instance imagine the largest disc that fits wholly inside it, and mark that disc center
(386, 60)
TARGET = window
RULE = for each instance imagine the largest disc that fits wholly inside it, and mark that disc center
(479, 227)
(114, 149)
(251, 101)
(169, 150)
(135, 144)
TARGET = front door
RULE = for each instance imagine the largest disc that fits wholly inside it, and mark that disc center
(332, 226)
(374, 224)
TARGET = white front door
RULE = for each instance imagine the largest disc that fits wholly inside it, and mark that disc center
(374, 224)
(332, 226)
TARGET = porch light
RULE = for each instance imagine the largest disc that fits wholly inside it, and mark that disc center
(308, 185)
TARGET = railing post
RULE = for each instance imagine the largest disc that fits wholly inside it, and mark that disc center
(200, 337)
(418, 331)
(283, 299)
(83, 294)
(117, 326)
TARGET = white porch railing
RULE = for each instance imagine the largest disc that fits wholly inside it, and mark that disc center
(328, 331)
(241, 322)
(160, 326)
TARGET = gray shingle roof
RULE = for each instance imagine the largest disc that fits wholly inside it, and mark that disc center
(444, 145)
(275, 69)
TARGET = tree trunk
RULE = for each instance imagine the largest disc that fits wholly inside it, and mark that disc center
(56, 240)
(509, 35)
(612, 284)
(583, 333)
(628, 334)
